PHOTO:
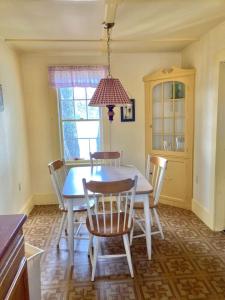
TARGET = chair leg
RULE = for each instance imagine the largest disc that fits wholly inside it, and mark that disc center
(96, 244)
(139, 223)
(132, 229)
(61, 228)
(66, 224)
(131, 235)
(127, 248)
(152, 221)
(158, 222)
(90, 245)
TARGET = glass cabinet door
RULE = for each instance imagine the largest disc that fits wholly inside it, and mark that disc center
(168, 116)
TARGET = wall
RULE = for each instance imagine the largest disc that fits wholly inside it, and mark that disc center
(42, 117)
(220, 147)
(205, 55)
(15, 183)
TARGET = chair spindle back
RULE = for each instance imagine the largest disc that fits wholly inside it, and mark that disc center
(58, 174)
(156, 171)
(112, 213)
(106, 158)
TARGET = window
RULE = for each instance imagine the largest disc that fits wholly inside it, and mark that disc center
(80, 124)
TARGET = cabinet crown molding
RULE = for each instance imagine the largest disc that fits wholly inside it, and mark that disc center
(165, 73)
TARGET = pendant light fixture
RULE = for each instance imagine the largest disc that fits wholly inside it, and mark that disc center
(109, 92)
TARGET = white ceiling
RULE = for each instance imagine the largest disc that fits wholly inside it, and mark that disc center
(140, 25)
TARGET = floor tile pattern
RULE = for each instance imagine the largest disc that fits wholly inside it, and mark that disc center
(188, 264)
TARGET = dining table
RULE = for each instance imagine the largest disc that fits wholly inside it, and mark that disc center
(73, 191)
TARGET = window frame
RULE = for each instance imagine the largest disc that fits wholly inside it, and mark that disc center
(61, 140)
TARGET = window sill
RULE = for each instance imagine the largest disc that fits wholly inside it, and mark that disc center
(78, 162)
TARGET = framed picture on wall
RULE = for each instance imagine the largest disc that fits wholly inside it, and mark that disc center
(128, 112)
(1, 99)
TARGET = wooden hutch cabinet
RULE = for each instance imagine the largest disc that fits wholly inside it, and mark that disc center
(169, 123)
(13, 264)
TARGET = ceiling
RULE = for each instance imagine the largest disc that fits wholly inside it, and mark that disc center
(140, 25)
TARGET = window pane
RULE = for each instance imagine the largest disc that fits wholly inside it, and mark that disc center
(168, 143)
(169, 126)
(88, 129)
(157, 125)
(168, 108)
(66, 93)
(84, 148)
(156, 109)
(79, 93)
(179, 90)
(156, 142)
(179, 143)
(80, 109)
(95, 145)
(93, 112)
(157, 93)
(90, 92)
(179, 125)
(71, 146)
(168, 90)
(179, 107)
(67, 109)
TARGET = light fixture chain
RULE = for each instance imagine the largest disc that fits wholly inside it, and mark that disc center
(108, 51)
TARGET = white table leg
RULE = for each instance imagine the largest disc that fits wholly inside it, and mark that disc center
(70, 232)
(147, 225)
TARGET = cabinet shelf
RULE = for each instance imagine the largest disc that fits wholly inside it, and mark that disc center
(168, 100)
(162, 118)
(168, 133)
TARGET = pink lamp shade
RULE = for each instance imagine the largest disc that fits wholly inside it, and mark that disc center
(110, 93)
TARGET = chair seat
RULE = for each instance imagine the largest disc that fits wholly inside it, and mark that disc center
(79, 206)
(140, 205)
(117, 227)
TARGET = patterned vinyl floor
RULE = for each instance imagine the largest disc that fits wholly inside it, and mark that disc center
(188, 264)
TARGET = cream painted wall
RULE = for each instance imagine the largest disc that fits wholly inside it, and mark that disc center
(205, 55)
(14, 156)
(220, 151)
(41, 107)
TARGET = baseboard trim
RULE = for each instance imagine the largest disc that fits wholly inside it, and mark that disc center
(27, 208)
(38, 199)
(202, 213)
(174, 202)
(44, 199)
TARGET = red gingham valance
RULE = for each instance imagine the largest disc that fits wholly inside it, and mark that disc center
(76, 76)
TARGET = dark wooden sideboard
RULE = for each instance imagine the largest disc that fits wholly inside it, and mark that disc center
(13, 264)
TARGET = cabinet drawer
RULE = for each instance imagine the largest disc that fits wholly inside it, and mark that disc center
(12, 260)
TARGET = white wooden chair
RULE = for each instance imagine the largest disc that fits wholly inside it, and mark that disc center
(112, 215)
(110, 158)
(155, 173)
(58, 174)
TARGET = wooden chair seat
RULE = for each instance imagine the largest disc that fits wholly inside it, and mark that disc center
(119, 227)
